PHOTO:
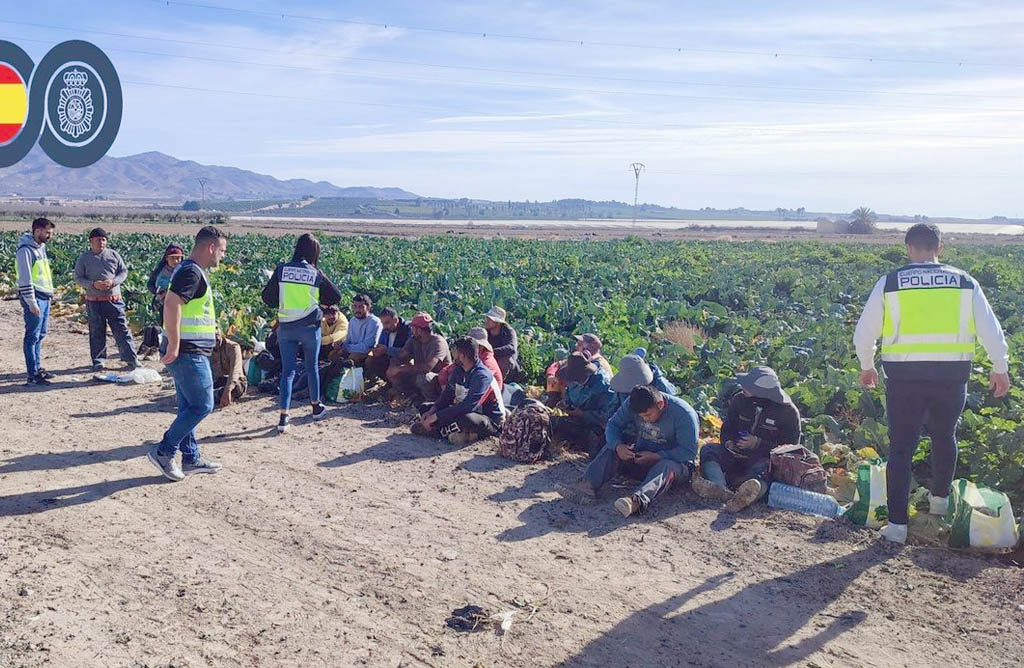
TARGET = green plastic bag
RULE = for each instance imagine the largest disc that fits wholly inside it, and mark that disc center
(253, 373)
(870, 503)
(981, 518)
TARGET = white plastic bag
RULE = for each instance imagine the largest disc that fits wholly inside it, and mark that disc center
(351, 384)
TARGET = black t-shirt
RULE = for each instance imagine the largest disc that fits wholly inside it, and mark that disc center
(189, 283)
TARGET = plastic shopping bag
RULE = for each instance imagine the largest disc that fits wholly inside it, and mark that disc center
(345, 387)
(981, 517)
(870, 503)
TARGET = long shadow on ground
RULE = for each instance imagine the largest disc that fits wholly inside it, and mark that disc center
(30, 503)
(748, 628)
(395, 448)
(44, 461)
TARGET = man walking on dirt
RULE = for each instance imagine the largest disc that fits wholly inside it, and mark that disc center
(190, 324)
(929, 316)
(100, 271)
(35, 289)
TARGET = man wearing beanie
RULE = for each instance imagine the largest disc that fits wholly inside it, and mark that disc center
(101, 271)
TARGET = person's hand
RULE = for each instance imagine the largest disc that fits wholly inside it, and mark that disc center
(625, 452)
(429, 419)
(34, 310)
(748, 442)
(999, 383)
(225, 397)
(379, 351)
(646, 458)
(169, 357)
(869, 378)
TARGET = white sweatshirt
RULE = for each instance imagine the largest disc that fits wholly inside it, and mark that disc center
(989, 331)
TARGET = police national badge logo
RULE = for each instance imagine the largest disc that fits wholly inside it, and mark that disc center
(70, 103)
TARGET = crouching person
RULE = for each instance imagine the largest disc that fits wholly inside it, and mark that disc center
(470, 406)
(664, 451)
(760, 417)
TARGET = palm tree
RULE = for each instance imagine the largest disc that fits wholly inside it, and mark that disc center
(863, 221)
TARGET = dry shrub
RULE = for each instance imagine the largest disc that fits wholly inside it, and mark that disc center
(682, 333)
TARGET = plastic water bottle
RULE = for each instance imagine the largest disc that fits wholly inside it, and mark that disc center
(788, 497)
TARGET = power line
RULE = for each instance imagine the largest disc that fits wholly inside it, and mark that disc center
(579, 42)
(568, 75)
(502, 84)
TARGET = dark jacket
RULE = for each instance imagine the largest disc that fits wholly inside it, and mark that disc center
(402, 334)
(505, 344)
(159, 278)
(329, 294)
(482, 395)
(774, 423)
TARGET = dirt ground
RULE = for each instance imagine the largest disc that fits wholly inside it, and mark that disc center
(348, 542)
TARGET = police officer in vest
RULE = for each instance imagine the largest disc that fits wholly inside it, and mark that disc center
(35, 289)
(297, 289)
(190, 326)
(929, 316)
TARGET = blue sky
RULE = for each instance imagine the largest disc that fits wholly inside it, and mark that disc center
(912, 109)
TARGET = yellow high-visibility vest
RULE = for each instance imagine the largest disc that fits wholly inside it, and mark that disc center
(297, 293)
(42, 277)
(198, 316)
(928, 315)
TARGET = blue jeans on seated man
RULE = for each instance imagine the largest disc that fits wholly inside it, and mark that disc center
(100, 315)
(656, 479)
(727, 469)
(193, 385)
(291, 338)
(36, 327)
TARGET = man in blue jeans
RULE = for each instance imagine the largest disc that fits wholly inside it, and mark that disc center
(190, 324)
(35, 289)
(664, 450)
(100, 271)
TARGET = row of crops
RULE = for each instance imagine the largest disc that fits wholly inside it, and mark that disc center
(790, 305)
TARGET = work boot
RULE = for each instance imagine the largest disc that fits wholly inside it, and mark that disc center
(628, 505)
(462, 438)
(580, 491)
(167, 465)
(896, 533)
(201, 465)
(938, 505)
(745, 495)
(709, 491)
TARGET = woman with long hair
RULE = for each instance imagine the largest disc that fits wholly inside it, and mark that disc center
(297, 289)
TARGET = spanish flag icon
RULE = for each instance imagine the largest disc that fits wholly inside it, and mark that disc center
(13, 103)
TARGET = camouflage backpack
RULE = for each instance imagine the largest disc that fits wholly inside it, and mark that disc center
(796, 465)
(526, 433)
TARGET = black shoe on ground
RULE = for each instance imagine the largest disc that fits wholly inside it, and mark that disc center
(282, 424)
(37, 380)
(319, 412)
(45, 374)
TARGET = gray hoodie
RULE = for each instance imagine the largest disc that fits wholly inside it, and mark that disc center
(28, 252)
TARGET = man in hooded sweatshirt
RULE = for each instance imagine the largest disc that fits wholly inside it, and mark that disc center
(35, 289)
(761, 416)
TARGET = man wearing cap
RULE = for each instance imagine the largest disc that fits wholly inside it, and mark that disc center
(930, 317)
(414, 371)
(665, 449)
(100, 271)
(634, 369)
(470, 407)
(503, 341)
(591, 343)
(589, 402)
(585, 343)
(761, 416)
(35, 289)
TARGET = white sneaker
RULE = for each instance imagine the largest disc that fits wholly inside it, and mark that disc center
(896, 533)
(938, 505)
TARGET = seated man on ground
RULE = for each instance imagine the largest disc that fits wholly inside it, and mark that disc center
(393, 338)
(414, 372)
(666, 430)
(229, 381)
(760, 417)
(585, 343)
(333, 329)
(364, 331)
(589, 401)
(503, 341)
(470, 407)
(635, 370)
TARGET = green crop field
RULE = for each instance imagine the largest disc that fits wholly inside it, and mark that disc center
(702, 309)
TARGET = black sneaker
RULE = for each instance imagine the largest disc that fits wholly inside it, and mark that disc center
(43, 373)
(282, 424)
(37, 380)
(319, 412)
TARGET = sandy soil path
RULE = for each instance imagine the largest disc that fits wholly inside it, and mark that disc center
(348, 542)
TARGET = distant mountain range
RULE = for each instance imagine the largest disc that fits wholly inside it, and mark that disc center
(154, 175)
